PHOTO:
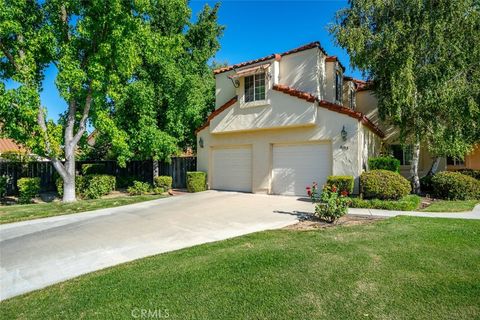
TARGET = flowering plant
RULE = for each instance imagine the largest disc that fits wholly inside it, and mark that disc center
(329, 204)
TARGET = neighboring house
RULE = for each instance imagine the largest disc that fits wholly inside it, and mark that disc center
(10, 147)
(286, 120)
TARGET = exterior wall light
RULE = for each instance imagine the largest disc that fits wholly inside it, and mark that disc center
(344, 134)
(200, 142)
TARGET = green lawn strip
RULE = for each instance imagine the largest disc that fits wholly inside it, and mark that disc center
(16, 213)
(407, 203)
(400, 268)
(451, 206)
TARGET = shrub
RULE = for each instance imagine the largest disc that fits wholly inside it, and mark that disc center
(344, 184)
(138, 188)
(3, 186)
(407, 203)
(471, 172)
(196, 181)
(93, 168)
(97, 185)
(79, 185)
(125, 181)
(384, 163)
(332, 205)
(384, 184)
(455, 186)
(158, 190)
(164, 182)
(426, 184)
(28, 188)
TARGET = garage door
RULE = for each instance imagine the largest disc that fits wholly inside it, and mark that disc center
(296, 166)
(232, 169)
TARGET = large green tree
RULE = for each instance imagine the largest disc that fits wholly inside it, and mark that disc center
(423, 59)
(100, 48)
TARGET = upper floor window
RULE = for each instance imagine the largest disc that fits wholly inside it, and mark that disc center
(338, 86)
(452, 161)
(402, 153)
(255, 87)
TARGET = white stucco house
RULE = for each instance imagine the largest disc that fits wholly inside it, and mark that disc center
(286, 120)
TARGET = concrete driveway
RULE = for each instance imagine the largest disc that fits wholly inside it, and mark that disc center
(38, 253)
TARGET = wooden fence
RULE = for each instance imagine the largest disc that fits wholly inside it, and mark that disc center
(139, 170)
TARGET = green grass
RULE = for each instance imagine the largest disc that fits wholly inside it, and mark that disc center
(451, 206)
(407, 203)
(16, 213)
(400, 268)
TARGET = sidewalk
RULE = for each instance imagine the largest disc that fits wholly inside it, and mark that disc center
(475, 214)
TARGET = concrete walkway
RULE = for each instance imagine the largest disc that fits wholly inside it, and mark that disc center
(475, 214)
(38, 253)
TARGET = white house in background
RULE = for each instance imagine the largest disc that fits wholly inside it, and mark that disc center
(286, 120)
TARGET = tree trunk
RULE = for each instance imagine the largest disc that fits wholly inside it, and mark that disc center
(156, 169)
(434, 167)
(69, 179)
(414, 168)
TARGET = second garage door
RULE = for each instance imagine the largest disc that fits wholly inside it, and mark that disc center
(296, 166)
(232, 169)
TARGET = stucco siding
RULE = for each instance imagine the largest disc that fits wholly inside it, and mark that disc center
(327, 128)
(224, 89)
(300, 70)
(329, 87)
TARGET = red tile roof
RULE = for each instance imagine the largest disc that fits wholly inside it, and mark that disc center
(9, 145)
(216, 112)
(276, 56)
(334, 59)
(331, 106)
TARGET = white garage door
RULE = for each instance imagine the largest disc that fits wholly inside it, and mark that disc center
(232, 169)
(297, 166)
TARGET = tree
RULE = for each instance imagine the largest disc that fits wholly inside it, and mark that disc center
(426, 82)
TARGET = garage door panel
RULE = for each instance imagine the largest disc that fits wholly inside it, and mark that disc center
(232, 169)
(296, 166)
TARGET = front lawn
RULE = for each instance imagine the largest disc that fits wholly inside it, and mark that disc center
(400, 268)
(451, 206)
(16, 213)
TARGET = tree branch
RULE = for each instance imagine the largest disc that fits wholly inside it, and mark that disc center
(9, 56)
(83, 121)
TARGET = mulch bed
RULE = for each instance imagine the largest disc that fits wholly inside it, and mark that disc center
(313, 223)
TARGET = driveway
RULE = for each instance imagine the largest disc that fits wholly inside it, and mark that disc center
(38, 253)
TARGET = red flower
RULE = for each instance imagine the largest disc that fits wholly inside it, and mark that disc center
(309, 192)
(334, 189)
(344, 193)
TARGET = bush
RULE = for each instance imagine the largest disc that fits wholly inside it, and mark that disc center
(79, 185)
(158, 190)
(164, 182)
(138, 188)
(384, 185)
(332, 205)
(426, 184)
(93, 168)
(384, 163)
(470, 172)
(344, 184)
(196, 181)
(407, 203)
(97, 185)
(3, 186)
(124, 182)
(28, 189)
(455, 186)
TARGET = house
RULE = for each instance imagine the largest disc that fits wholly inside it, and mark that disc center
(285, 120)
(9, 147)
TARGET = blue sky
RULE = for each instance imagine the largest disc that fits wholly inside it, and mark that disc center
(252, 29)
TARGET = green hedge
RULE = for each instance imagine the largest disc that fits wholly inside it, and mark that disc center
(91, 186)
(470, 172)
(407, 203)
(3, 186)
(28, 189)
(343, 183)
(196, 181)
(384, 163)
(139, 188)
(384, 185)
(164, 182)
(455, 186)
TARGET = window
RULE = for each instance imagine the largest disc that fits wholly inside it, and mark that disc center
(338, 86)
(402, 153)
(255, 87)
(352, 99)
(452, 161)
